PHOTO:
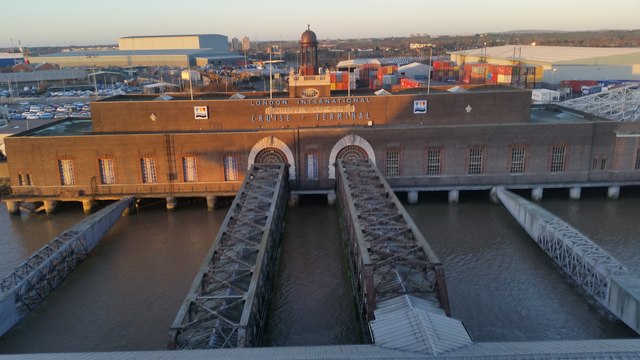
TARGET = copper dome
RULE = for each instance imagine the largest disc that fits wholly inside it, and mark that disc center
(308, 37)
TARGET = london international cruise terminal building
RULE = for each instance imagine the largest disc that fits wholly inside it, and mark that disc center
(424, 140)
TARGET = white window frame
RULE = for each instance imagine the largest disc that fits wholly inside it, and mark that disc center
(190, 168)
(107, 171)
(148, 168)
(67, 173)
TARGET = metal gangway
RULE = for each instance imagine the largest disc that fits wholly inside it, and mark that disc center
(30, 283)
(595, 270)
(399, 281)
(227, 303)
(619, 104)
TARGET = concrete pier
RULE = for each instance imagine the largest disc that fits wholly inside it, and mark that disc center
(172, 203)
(50, 206)
(412, 197)
(536, 193)
(88, 205)
(13, 207)
(211, 202)
(613, 192)
(294, 200)
(331, 199)
(454, 197)
(575, 192)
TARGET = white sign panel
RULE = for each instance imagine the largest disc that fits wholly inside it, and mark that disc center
(201, 112)
(420, 106)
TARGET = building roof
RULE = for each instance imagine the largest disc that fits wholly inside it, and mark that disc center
(165, 36)
(549, 54)
(106, 53)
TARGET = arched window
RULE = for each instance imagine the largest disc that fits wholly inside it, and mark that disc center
(352, 152)
(271, 156)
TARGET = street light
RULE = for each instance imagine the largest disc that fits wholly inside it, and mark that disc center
(93, 68)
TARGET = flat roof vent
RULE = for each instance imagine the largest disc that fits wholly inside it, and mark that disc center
(164, 97)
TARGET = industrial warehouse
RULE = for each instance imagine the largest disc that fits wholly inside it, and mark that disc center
(443, 138)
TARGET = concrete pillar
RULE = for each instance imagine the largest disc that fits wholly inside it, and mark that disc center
(131, 209)
(87, 205)
(172, 203)
(331, 199)
(454, 197)
(493, 195)
(574, 193)
(211, 202)
(50, 206)
(13, 207)
(613, 192)
(536, 193)
(294, 200)
(412, 197)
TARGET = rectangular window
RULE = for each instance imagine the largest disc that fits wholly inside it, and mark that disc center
(311, 162)
(393, 163)
(189, 169)
(558, 158)
(148, 167)
(107, 171)
(517, 159)
(230, 168)
(433, 161)
(475, 160)
(24, 179)
(67, 175)
(637, 167)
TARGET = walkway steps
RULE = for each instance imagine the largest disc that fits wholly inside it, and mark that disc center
(227, 303)
(22, 290)
(599, 274)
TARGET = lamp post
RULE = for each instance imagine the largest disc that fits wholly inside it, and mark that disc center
(430, 64)
(554, 77)
(93, 69)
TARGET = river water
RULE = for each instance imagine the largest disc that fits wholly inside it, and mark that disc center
(501, 285)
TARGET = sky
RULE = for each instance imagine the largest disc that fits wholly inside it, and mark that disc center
(91, 22)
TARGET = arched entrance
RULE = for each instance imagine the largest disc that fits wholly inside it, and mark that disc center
(271, 150)
(350, 147)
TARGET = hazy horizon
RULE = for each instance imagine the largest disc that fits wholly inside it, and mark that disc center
(38, 23)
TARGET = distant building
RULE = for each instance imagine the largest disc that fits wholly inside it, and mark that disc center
(246, 43)
(235, 45)
(164, 50)
(561, 62)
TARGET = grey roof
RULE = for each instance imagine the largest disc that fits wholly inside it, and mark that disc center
(418, 325)
(163, 36)
(106, 53)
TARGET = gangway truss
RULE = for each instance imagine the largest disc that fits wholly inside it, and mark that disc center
(398, 279)
(618, 104)
(596, 271)
(227, 304)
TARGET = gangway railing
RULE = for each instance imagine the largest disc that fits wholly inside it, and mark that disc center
(227, 304)
(591, 267)
(30, 283)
